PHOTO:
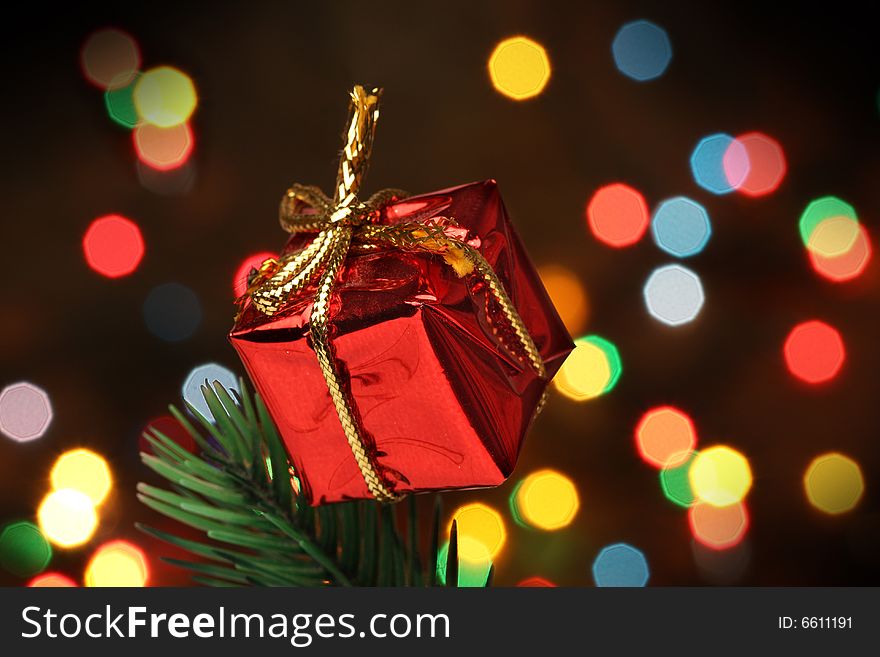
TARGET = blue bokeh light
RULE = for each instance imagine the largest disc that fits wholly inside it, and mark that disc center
(708, 163)
(209, 372)
(620, 565)
(172, 312)
(642, 50)
(681, 227)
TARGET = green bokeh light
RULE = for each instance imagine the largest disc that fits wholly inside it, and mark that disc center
(819, 210)
(676, 484)
(24, 551)
(120, 104)
(615, 364)
(469, 573)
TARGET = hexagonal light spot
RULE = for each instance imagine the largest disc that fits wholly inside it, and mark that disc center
(834, 483)
(25, 411)
(209, 372)
(719, 163)
(665, 437)
(620, 565)
(641, 50)
(681, 227)
(814, 352)
(718, 528)
(674, 295)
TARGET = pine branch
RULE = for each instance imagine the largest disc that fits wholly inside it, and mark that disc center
(258, 527)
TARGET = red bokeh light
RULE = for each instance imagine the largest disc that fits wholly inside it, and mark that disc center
(766, 164)
(47, 580)
(239, 281)
(716, 527)
(113, 246)
(618, 215)
(170, 427)
(814, 352)
(536, 582)
(846, 266)
(163, 149)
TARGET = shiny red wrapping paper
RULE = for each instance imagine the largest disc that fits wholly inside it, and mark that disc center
(444, 404)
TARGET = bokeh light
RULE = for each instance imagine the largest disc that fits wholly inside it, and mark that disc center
(665, 437)
(110, 58)
(484, 526)
(620, 565)
(85, 471)
(814, 352)
(681, 227)
(119, 102)
(546, 500)
(568, 296)
(722, 567)
(24, 551)
(67, 517)
(720, 475)
(591, 369)
(118, 563)
(719, 163)
(834, 237)
(173, 182)
(847, 266)
(642, 50)
(163, 148)
(766, 166)
(719, 528)
(25, 411)
(834, 483)
(536, 582)
(819, 210)
(165, 97)
(474, 562)
(674, 295)
(618, 215)
(519, 68)
(255, 261)
(51, 580)
(113, 246)
(675, 482)
(209, 372)
(172, 312)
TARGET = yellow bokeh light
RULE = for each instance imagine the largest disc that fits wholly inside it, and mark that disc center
(547, 500)
(834, 237)
(585, 374)
(67, 517)
(519, 68)
(834, 483)
(85, 471)
(480, 531)
(118, 563)
(720, 475)
(568, 296)
(165, 97)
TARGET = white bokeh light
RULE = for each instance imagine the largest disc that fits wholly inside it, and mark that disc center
(25, 411)
(196, 378)
(674, 295)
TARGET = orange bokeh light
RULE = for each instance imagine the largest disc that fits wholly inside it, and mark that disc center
(845, 266)
(536, 582)
(48, 580)
(163, 149)
(618, 215)
(568, 296)
(665, 437)
(716, 527)
(110, 58)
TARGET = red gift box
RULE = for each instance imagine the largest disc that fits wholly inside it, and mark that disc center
(443, 402)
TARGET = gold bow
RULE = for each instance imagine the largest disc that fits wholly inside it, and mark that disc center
(341, 222)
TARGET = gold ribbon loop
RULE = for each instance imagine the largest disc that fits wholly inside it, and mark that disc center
(341, 222)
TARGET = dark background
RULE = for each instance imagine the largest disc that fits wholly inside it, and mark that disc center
(272, 79)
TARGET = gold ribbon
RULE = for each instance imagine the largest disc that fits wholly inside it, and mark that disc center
(341, 222)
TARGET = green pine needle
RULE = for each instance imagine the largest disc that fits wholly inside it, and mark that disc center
(257, 528)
